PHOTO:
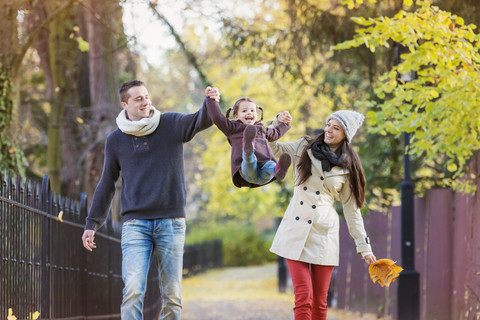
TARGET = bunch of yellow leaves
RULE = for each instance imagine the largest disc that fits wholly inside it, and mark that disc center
(384, 271)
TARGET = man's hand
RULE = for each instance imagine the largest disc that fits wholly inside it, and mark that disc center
(213, 93)
(285, 117)
(87, 239)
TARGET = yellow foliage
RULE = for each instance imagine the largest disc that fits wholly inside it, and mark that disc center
(384, 271)
(440, 107)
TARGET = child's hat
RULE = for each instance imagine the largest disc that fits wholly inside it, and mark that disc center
(349, 120)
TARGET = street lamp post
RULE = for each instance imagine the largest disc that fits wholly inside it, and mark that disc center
(408, 293)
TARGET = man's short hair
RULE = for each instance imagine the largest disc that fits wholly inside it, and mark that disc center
(126, 86)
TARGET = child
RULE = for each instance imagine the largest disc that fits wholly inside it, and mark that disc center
(253, 162)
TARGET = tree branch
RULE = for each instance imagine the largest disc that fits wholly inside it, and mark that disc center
(98, 17)
(190, 57)
(17, 61)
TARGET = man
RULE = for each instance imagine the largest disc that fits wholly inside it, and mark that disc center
(147, 150)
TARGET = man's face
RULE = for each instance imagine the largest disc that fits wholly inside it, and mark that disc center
(138, 105)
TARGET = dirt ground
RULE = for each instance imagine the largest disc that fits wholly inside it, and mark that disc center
(244, 293)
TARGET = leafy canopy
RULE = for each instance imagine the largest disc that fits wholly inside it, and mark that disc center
(441, 107)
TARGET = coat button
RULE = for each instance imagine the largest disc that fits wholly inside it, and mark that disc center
(297, 218)
(301, 202)
(309, 221)
(321, 178)
(318, 192)
(305, 188)
(314, 206)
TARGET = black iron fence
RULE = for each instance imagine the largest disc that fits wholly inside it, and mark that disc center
(44, 267)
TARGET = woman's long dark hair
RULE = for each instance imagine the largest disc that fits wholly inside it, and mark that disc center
(351, 162)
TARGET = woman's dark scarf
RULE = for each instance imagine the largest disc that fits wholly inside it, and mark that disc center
(329, 159)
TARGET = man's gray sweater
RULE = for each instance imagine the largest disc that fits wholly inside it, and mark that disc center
(151, 167)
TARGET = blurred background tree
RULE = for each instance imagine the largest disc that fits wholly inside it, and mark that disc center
(63, 62)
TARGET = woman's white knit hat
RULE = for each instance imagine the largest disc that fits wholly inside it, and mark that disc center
(349, 120)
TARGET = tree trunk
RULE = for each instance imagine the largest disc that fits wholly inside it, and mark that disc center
(102, 31)
(59, 57)
(10, 156)
(14, 46)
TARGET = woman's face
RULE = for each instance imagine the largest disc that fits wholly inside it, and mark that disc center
(334, 134)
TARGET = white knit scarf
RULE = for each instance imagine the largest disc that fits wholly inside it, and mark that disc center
(141, 127)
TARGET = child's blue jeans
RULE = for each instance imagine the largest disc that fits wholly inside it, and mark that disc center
(252, 173)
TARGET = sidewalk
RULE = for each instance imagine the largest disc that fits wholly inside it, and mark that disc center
(243, 293)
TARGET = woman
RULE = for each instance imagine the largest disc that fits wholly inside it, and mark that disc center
(326, 169)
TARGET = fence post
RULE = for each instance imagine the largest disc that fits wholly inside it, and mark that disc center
(282, 275)
(45, 201)
(83, 211)
(282, 268)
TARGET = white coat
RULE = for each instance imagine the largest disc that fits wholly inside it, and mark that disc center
(309, 230)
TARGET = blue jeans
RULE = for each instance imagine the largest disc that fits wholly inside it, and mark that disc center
(252, 173)
(141, 240)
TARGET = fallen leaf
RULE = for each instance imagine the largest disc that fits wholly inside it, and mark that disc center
(10, 315)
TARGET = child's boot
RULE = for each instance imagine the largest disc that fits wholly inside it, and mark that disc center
(282, 166)
(249, 139)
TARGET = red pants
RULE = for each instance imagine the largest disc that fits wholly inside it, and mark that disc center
(310, 286)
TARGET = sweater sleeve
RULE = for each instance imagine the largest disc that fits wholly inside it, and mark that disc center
(277, 132)
(222, 122)
(104, 191)
(293, 148)
(190, 124)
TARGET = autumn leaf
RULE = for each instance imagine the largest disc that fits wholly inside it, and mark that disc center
(384, 271)
(10, 315)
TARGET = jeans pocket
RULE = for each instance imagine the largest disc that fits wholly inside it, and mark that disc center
(127, 226)
(178, 222)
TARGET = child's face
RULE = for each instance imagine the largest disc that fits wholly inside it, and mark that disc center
(247, 112)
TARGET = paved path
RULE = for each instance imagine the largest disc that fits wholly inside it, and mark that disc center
(243, 293)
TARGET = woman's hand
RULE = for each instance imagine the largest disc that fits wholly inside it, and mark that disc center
(370, 259)
(285, 117)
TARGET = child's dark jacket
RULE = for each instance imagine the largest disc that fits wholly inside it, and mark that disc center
(233, 129)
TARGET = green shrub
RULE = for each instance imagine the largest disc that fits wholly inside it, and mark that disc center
(242, 245)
